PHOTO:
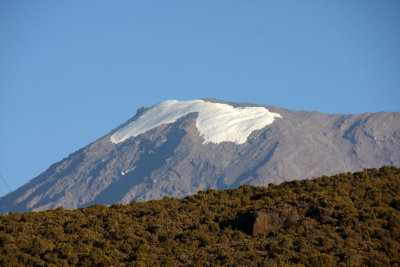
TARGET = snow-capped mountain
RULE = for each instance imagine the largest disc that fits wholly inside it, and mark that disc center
(176, 148)
(216, 122)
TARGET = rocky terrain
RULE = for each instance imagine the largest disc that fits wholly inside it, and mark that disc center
(175, 158)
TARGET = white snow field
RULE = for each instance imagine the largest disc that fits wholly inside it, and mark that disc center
(216, 122)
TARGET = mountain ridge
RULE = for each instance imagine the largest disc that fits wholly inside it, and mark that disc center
(172, 159)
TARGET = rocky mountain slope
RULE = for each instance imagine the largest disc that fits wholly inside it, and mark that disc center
(178, 148)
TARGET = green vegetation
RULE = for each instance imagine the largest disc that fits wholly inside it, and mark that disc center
(346, 219)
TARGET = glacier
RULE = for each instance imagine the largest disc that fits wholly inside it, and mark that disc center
(216, 122)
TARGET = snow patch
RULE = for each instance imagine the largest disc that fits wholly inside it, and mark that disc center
(216, 122)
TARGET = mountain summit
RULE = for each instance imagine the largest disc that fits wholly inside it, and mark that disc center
(176, 148)
(216, 122)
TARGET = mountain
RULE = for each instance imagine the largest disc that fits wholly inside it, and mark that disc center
(350, 219)
(177, 148)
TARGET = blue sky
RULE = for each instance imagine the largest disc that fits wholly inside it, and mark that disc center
(71, 71)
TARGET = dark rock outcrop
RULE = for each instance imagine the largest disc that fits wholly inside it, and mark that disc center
(260, 221)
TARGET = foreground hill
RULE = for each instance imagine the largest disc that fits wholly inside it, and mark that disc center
(177, 148)
(349, 218)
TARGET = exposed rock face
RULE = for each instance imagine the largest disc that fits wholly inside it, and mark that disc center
(253, 222)
(173, 159)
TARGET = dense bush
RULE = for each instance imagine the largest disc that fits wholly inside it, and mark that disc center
(346, 219)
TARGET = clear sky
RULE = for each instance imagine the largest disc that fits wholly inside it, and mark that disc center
(71, 71)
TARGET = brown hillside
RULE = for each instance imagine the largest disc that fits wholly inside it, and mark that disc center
(346, 219)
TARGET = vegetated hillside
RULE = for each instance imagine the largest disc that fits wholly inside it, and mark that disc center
(349, 218)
